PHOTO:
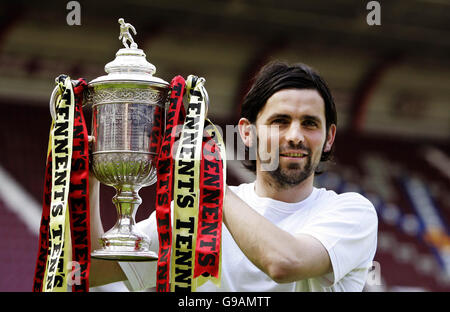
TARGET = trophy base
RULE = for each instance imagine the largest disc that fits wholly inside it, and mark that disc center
(123, 244)
(124, 255)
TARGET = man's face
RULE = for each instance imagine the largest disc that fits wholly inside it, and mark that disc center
(299, 115)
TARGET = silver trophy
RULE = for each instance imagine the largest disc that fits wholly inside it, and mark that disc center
(128, 114)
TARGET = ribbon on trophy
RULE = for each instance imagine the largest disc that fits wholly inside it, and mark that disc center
(64, 247)
(175, 115)
(191, 174)
(212, 188)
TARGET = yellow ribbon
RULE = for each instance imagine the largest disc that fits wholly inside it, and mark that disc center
(186, 187)
(61, 137)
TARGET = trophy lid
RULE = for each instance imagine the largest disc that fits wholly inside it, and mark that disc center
(130, 64)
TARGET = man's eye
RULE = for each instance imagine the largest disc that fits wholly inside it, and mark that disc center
(279, 121)
(310, 123)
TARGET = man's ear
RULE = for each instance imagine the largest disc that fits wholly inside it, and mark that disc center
(330, 138)
(245, 130)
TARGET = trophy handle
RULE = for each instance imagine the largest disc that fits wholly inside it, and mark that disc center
(56, 93)
(53, 98)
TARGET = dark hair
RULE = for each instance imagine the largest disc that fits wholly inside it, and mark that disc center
(277, 76)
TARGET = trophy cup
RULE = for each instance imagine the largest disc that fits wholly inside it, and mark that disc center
(128, 108)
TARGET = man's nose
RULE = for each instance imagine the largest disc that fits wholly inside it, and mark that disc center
(294, 134)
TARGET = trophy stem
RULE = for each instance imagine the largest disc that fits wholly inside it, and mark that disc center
(127, 201)
(124, 241)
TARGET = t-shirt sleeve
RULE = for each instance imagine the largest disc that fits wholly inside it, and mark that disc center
(142, 275)
(347, 228)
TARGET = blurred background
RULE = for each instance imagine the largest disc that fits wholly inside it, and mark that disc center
(391, 83)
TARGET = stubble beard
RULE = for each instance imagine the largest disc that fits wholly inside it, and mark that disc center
(292, 174)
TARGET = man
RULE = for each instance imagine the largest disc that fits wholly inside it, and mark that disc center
(280, 233)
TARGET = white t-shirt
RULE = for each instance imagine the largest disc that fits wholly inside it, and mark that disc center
(345, 224)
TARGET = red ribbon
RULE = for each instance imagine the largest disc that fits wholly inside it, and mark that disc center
(175, 116)
(207, 252)
(79, 196)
